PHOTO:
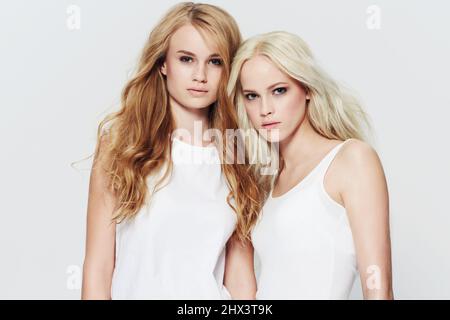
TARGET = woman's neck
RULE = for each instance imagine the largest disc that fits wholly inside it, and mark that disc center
(299, 146)
(191, 124)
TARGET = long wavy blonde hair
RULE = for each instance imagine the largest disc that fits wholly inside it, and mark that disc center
(138, 141)
(333, 111)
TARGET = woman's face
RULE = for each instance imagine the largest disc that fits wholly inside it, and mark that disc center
(192, 68)
(271, 96)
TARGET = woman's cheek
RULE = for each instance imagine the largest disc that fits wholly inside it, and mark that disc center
(254, 117)
(249, 112)
(292, 105)
(217, 75)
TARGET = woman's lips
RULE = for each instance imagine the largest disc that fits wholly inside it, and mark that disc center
(197, 92)
(270, 125)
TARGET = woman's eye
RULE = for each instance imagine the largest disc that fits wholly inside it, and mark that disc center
(185, 59)
(250, 96)
(280, 90)
(217, 62)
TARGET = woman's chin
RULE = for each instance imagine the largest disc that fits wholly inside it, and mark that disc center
(272, 136)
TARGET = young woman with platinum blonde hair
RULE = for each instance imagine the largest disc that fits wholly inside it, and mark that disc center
(327, 215)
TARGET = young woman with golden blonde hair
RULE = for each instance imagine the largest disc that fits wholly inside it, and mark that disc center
(327, 215)
(158, 223)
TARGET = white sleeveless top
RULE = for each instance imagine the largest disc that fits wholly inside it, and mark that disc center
(175, 247)
(303, 243)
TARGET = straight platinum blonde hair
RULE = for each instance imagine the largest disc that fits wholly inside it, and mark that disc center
(332, 111)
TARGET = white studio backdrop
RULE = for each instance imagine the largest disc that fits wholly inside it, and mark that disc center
(64, 63)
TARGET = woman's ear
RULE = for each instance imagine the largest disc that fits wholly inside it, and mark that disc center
(164, 68)
(308, 94)
(306, 89)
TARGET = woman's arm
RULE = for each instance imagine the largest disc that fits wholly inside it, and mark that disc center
(100, 235)
(239, 276)
(365, 197)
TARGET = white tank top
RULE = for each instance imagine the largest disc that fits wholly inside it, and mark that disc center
(303, 243)
(175, 247)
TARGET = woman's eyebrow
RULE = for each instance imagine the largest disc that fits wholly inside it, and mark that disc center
(269, 87)
(276, 84)
(186, 52)
(214, 55)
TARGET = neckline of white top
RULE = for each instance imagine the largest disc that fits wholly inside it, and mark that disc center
(308, 176)
(195, 147)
